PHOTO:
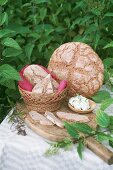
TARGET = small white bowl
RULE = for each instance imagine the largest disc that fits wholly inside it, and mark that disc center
(92, 107)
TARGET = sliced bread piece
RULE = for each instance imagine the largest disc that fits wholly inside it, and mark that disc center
(72, 117)
(37, 117)
(54, 119)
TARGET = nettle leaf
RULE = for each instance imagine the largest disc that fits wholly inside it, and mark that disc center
(12, 93)
(26, 5)
(101, 96)
(7, 82)
(102, 118)
(67, 21)
(108, 62)
(10, 52)
(111, 143)
(111, 119)
(19, 29)
(28, 50)
(5, 32)
(106, 75)
(60, 29)
(82, 127)
(3, 2)
(10, 42)
(7, 72)
(79, 4)
(71, 130)
(3, 18)
(65, 143)
(109, 14)
(91, 29)
(96, 11)
(40, 1)
(97, 38)
(35, 35)
(48, 31)
(105, 104)
(43, 12)
(85, 19)
(109, 45)
(102, 137)
(80, 148)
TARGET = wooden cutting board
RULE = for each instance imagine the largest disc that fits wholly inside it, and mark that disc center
(55, 133)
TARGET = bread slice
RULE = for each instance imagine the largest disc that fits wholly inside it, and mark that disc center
(72, 117)
(39, 118)
(50, 116)
(33, 73)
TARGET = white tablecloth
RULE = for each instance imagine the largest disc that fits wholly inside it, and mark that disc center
(27, 153)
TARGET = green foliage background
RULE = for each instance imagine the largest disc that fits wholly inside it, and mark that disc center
(31, 30)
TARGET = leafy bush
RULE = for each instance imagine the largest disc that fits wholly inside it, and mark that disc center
(31, 30)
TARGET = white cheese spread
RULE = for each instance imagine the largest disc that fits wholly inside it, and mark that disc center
(79, 102)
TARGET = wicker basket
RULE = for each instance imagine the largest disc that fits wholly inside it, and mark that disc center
(42, 102)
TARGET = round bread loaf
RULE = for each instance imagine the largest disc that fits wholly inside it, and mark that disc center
(80, 66)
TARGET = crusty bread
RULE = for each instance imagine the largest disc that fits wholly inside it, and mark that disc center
(37, 117)
(44, 86)
(78, 63)
(54, 119)
(72, 117)
(33, 73)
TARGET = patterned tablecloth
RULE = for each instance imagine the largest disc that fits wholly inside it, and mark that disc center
(27, 153)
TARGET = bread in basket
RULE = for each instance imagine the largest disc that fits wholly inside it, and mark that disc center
(43, 101)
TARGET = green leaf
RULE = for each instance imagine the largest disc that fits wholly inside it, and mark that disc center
(97, 38)
(91, 29)
(12, 94)
(10, 42)
(10, 52)
(102, 119)
(65, 143)
(60, 29)
(109, 14)
(5, 32)
(79, 4)
(82, 127)
(111, 120)
(43, 12)
(111, 143)
(19, 29)
(101, 96)
(71, 130)
(40, 1)
(104, 137)
(35, 35)
(96, 11)
(108, 62)
(7, 72)
(28, 50)
(80, 148)
(3, 2)
(6, 83)
(3, 18)
(106, 75)
(109, 45)
(106, 103)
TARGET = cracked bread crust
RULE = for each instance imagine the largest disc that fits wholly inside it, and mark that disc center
(80, 65)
